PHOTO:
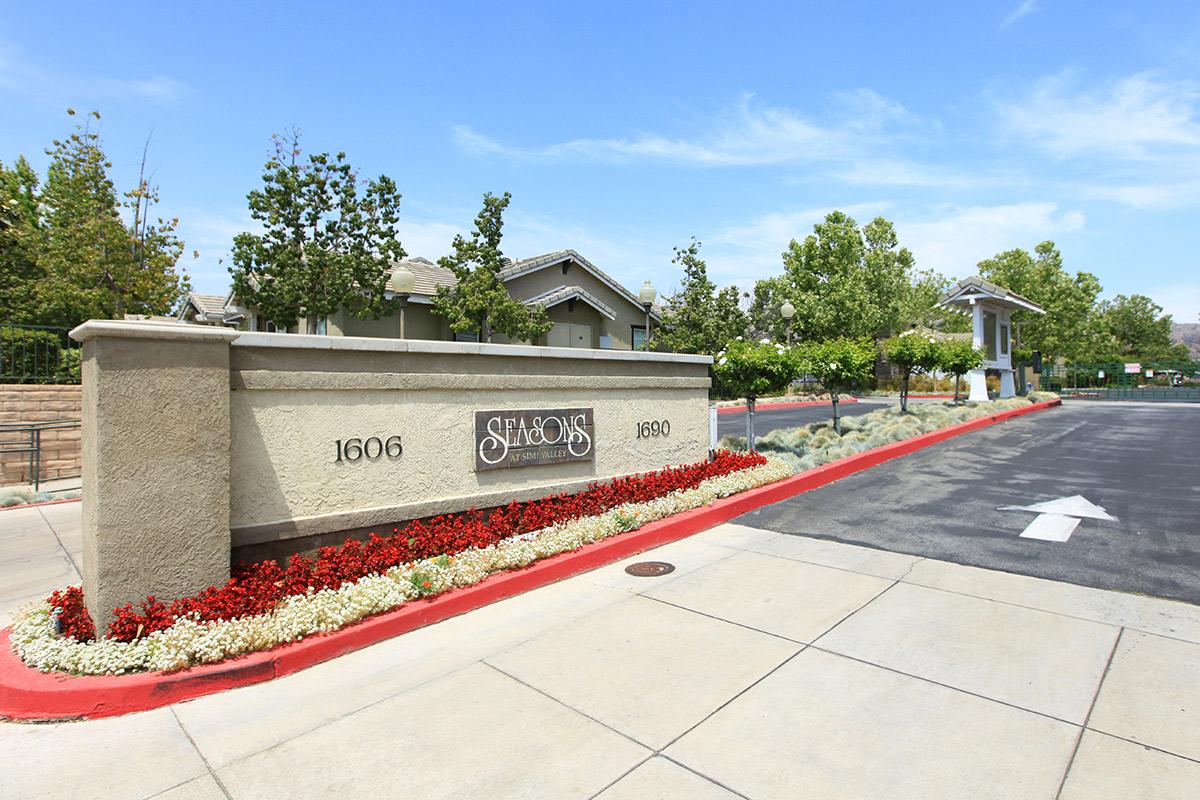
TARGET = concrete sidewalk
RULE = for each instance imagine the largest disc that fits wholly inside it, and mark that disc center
(765, 666)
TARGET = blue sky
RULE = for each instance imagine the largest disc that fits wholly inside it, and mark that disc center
(622, 129)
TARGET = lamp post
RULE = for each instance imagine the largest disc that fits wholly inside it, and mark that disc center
(787, 311)
(401, 284)
(646, 295)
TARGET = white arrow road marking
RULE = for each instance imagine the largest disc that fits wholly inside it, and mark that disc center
(1051, 528)
(1074, 506)
(1057, 519)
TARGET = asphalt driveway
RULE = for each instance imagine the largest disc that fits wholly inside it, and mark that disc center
(1140, 462)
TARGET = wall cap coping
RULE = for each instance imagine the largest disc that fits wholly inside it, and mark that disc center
(146, 329)
(296, 341)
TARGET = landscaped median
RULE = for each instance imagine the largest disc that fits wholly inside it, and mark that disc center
(347, 598)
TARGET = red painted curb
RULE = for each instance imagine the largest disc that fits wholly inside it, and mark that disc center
(769, 406)
(43, 503)
(28, 694)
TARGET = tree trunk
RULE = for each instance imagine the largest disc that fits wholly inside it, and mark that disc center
(904, 393)
(956, 379)
(837, 420)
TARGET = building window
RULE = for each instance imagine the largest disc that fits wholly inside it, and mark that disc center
(1003, 340)
(989, 335)
(322, 326)
(466, 336)
(638, 336)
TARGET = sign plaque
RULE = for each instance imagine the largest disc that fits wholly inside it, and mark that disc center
(525, 437)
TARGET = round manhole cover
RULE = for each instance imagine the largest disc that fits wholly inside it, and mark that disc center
(650, 569)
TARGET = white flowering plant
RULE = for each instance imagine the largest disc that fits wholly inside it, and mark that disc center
(190, 641)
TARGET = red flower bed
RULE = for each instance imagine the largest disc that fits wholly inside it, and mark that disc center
(258, 588)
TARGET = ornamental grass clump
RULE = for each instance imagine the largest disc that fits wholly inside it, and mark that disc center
(817, 443)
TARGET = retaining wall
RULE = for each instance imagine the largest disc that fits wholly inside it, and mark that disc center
(61, 455)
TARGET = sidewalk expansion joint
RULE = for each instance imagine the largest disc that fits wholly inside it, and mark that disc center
(203, 758)
(1091, 707)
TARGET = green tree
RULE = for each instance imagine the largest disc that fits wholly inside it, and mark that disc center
(96, 264)
(957, 357)
(911, 353)
(324, 246)
(843, 281)
(479, 300)
(697, 318)
(1134, 327)
(839, 365)
(20, 220)
(1069, 326)
(750, 369)
(919, 304)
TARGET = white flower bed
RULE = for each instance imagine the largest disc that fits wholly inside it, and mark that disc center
(189, 642)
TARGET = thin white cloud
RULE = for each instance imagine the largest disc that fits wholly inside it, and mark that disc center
(1026, 8)
(1168, 194)
(748, 136)
(746, 252)
(1138, 117)
(953, 240)
(22, 75)
(950, 239)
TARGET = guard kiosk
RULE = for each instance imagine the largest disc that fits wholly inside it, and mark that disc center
(991, 308)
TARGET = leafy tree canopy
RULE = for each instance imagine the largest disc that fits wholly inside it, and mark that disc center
(752, 369)
(479, 301)
(72, 250)
(1068, 328)
(839, 364)
(911, 353)
(698, 318)
(957, 358)
(324, 246)
(847, 281)
(1134, 327)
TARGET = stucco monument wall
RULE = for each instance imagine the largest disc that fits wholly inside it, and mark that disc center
(201, 441)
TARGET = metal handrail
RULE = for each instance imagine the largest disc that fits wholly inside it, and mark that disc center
(33, 444)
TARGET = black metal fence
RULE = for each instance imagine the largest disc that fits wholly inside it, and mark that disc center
(38, 354)
(1169, 381)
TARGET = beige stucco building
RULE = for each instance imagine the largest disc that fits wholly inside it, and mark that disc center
(588, 307)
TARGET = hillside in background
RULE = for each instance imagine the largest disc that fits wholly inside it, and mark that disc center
(1187, 333)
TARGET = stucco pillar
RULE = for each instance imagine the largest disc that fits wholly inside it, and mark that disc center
(155, 461)
(1008, 385)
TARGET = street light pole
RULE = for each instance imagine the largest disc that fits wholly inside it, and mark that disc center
(646, 295)
(787, 311)
(401, 284)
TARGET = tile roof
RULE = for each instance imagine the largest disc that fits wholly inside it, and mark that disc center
(527, 265)
(978, 284)
(207, 303)
(564, 293)
(427, 276)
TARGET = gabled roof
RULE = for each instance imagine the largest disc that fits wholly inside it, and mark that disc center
(533, 264)
(564, 293)
(427, 276)
(966, 291)
(207, 303)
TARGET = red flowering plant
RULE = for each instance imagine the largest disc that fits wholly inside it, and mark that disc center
(257, 588)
